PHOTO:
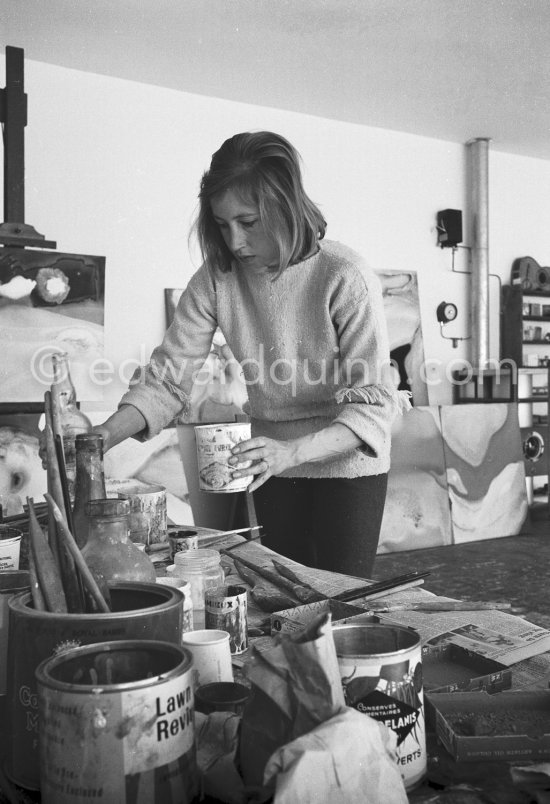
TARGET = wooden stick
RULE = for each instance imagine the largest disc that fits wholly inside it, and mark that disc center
(69, 542)
(56, 483)
(46, 566)
(37, 597)
(445, 605)
(60, 454)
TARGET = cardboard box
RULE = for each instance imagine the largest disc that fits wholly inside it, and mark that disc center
(290, 620)
(476, 726)
(452, 668)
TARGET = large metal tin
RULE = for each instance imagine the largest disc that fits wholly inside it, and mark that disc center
(117, 725)
(140, 611)
(11, 583)
(381, 671)
(214, 444)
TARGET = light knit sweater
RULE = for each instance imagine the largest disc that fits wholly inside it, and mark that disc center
(313, 348)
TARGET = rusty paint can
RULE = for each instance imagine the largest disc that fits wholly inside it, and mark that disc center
(117, 725)
(381, 671)
(182, 540)
(11, 582)
(225, 608)
(148, 511)
(140, 611)
(214, 445)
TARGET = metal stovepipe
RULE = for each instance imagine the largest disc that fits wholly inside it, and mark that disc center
(479, 289)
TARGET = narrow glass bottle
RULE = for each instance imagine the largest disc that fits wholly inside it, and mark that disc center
(72, 420)
(89, 483)
(109, 553)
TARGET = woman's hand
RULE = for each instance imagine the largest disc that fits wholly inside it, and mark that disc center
(262, 457)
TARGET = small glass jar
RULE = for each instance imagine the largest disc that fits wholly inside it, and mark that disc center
(202, 568)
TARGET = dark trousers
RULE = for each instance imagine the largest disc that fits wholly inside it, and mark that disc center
(327, 523)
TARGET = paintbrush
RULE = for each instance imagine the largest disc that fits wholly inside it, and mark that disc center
(240, 544)
(379, 588)
(218, 537)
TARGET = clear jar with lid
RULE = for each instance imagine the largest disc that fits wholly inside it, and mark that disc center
(203, 569)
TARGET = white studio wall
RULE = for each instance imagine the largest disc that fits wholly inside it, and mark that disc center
(113, 167)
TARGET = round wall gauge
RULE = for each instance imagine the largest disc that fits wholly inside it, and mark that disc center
(446, 311)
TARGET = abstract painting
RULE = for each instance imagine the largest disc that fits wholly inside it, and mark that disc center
(457, 475)
(417, 512)
(49, 302)
(485, 470)
(21, 472)
(402, 309)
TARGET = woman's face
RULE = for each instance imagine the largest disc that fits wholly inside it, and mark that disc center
(243, 232)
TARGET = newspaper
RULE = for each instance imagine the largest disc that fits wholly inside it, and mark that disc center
(494, 634)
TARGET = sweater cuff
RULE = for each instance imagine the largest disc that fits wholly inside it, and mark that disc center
(375, 395)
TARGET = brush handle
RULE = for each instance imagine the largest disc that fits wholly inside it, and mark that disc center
(69, 542)
(46, 566)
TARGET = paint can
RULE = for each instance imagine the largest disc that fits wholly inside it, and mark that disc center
(140, 611)
(11, 583)
(117, 725)
(214, 444)
(225, 608)
(182, 540)
(148, 513)
(381, 671)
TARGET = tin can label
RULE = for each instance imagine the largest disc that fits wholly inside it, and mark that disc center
(180, 542)
(225, 609)
(129, 746)
(39, 635)
(214, 445)
(390, 690)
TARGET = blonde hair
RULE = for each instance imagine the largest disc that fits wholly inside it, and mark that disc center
(262, 168)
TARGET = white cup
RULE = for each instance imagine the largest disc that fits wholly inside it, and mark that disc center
(211, 655)
(185, 589)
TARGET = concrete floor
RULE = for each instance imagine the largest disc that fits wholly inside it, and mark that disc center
(514, 569)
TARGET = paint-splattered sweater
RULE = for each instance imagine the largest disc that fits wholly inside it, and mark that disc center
(313, 348)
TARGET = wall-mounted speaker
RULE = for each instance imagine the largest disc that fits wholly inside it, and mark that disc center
(536, 450)
(449, 227)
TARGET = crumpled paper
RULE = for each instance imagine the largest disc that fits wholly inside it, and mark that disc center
(350, 757)
(217, 738)
(296, 686)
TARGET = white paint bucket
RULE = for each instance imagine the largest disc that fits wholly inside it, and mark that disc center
(214, 445)
(381, 671)
(10, 547)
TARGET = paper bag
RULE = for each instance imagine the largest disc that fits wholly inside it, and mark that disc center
(295, 687)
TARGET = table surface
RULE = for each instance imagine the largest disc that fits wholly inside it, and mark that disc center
(487, 781)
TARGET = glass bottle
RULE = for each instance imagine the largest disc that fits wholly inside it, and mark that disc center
(202, 568)
(72, 420)
(89, 482)
(109, 553)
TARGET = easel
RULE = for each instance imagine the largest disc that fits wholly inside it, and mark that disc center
(13, 115)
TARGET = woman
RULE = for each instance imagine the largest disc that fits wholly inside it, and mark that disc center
(304, 318)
